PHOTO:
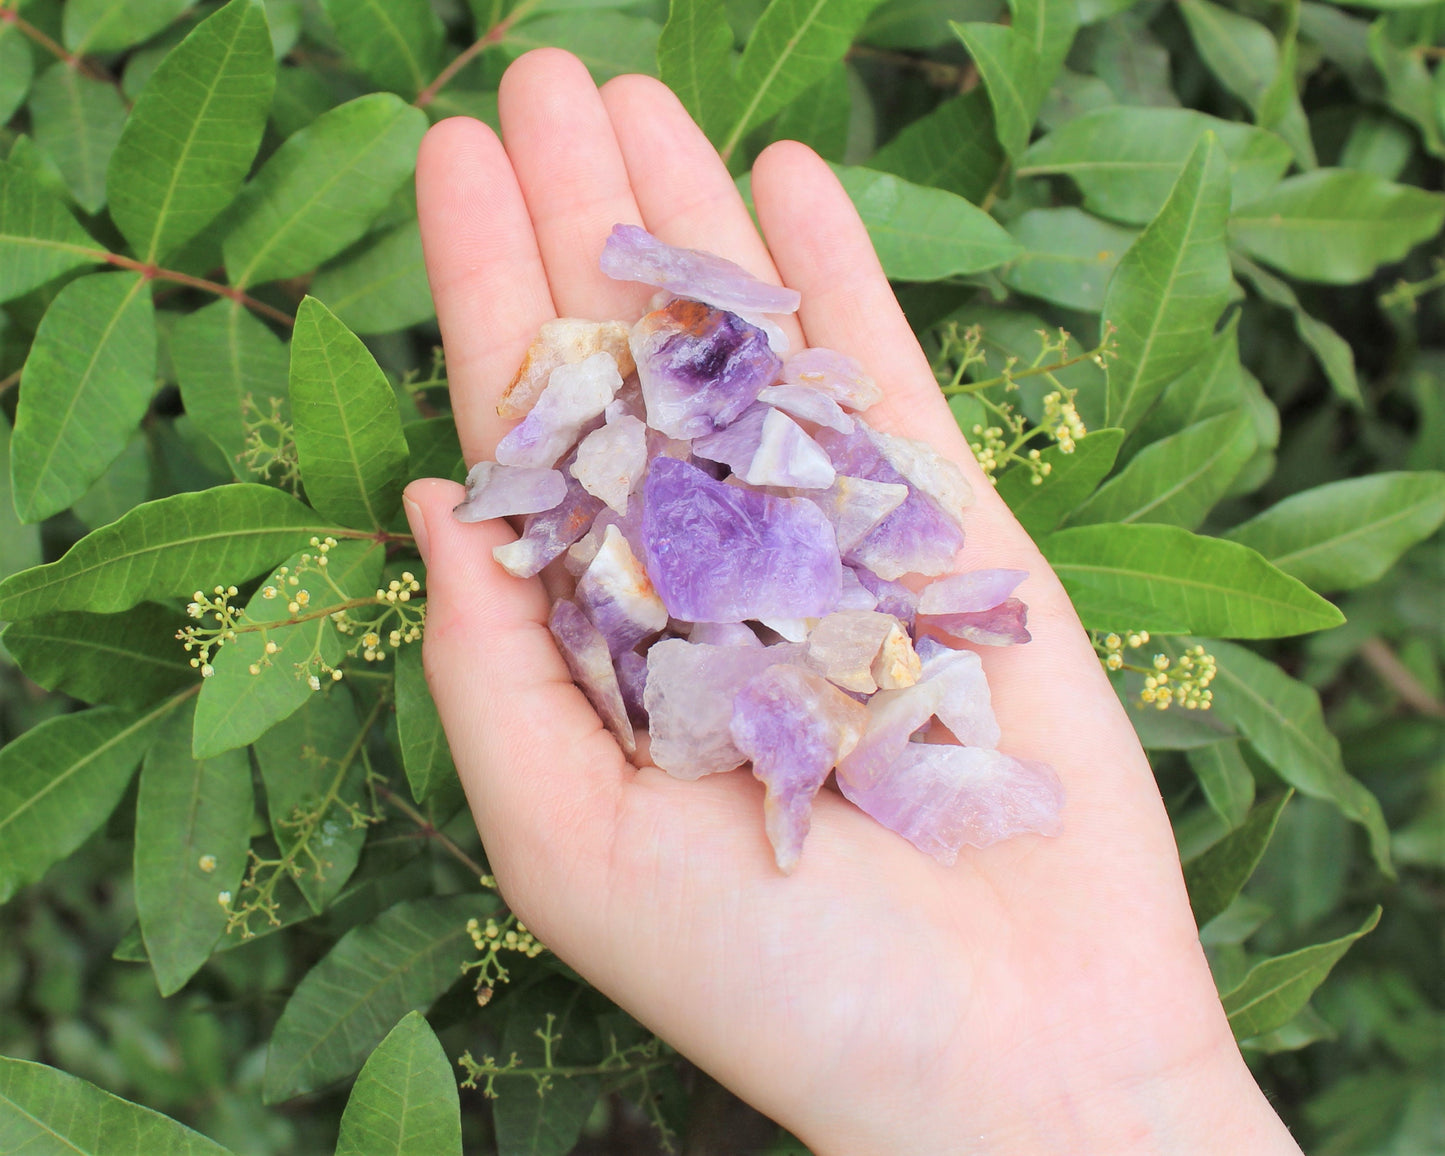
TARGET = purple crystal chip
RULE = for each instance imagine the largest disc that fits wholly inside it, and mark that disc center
(587, 657)
(634, 254)
(495, 491)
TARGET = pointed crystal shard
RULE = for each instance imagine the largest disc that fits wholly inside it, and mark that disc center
(808, 404)
(794, 727)
(611, 461)
(585, 651)
(847, 648)
(495, 491)
(786, 456)
(1003, 625)
(546, 535)
(563, 341)
(856, 505)
(923, 466)
(835, 374)
(575, 395)
(617, 596)
(633, 254)
(969, 592)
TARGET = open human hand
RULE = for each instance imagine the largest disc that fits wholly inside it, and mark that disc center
(1043, 995)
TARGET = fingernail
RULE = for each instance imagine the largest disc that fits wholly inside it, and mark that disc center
(418, 525)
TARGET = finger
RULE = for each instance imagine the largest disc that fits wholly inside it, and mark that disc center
(572, 178)
(682, 186)
(485, 271)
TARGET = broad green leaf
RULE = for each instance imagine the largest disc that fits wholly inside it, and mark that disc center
(1181, 578)
(109, 25)
(1335, 225)
(821, 117)
(424, 749)
(397, 43)
(236, 706)
(1049, 27)
(19, 541)
(348, 428)
(1068, 256)
(1283, 720)
(1130, 60)
(79, 653)
(1127, 160)
(405, 1101)
(1275, 991)
(791, 46)
(194, 131)
(921, 23)
(695, 60)
(1348, 533)
(1215, 877)
(952, 148)
(1170, 287)
(381, 287)
(315, 782)
(923, 234)
(223, 354)
(1306, 1027)
(59, 781)
(1014, 76)
(125, 484)
(44, 1110)
(168, 548)
(434, 449)
(39, 239)
(1225, 778)
(77, 121)
(1408, 87)
(401, 961)
(1177, 479)
(1212, 385)
(16, 68)
(322, 188)
(1072, 478)
(1279, 106)
(608, 43)
(192, 833)
(1378, 143)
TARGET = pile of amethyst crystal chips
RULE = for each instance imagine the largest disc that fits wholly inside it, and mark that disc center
(747, 556)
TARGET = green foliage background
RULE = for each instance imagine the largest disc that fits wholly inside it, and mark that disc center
(217, 349)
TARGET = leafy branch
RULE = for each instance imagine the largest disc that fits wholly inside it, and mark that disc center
(493, 35)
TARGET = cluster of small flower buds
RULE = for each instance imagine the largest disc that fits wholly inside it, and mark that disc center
(270, 447)
(1114, 646)
(990, 447)
(1185, 683)
(206, 639)
(1062, 420)
(399, 591)
(491, 938)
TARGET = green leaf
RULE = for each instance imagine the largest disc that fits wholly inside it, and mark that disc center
(397, 43)
(1071, 480)
(16, 69)
(1068, 256)
(1279, 105)
(695, 60)
(381, 287)
(1283, 720)
(1181, 579)
(1126, 161)
(192, 833)
(88, 381)
(168, 548)
(1335, 225)
(44, 1110)
(424, 749)
(110, 25)
(405, 1101)
(821, 117)
(1177, 479)
(59, 781)
(1213, 385)
(125, 484)
(1049, 27)
(1226, 780)
(348, 427)
(39, 239)
(1408, 88)
(1275, 991)
(401, 961)
(923, 234)
(19, 542)
(793, 44)
(952, 148)
(78, 654)
(1215, 877)
(322, 188)
(77, 121)
(194, 131)
(237, 707)
(1014, 77)
(1348, 533)
(222, 354)
(608, 43)
(435, 451)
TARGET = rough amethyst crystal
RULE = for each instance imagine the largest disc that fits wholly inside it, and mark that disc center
(634, 254)
(496, 491)
(587, 657)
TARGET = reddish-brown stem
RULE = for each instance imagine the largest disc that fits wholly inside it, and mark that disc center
(8, 15)
(9, 380)
(492, 35)
(428, 830)
(154, 273)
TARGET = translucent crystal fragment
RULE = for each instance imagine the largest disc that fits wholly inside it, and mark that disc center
(969, 592)
(892, 597)
(794, 727)
(611, 461)
(855, 596)
(725, 634)
(941, 798)
(575, 395)
(786, 456)
(631, 670)
(495, 491)
(699, 367)
(585, 651)
(547, 534)
(563, 341)
(851, 647)
(736, 444)
(923, 466)
(856, 505)
(1003, 625)
(836, 374)
(616, 594)
(633, 254)
(809, 405)
(720, 553)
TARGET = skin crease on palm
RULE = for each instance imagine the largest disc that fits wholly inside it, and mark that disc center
(1043, 995)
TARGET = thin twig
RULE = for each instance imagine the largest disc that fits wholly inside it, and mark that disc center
(493, 35)
(430, 831)
(9, 380)
(1400, 678)
(155, 273)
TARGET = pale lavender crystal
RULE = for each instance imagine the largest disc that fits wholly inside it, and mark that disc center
(725, 634)
(941, 798)
(631, 670)
(835, 374)
(893, 597)
(855, 595)
(634, 254)
(575, 395)
(699, 367)
(789, 629)
(495, 491)
(562, 341)
(969, 592)
(794, 727)
(856, 505)
(786, 456)
(1001, 625)
(546, 535)
(611, 461)
(735, 445)
(689, 701)
(809, 404)
(720, 553)
(587, 657)
(923, 466)
(618, 597)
